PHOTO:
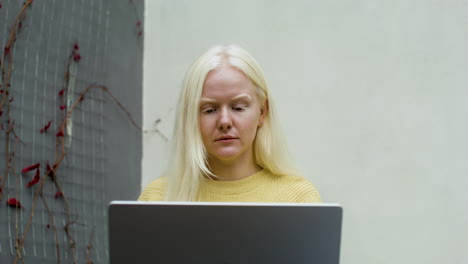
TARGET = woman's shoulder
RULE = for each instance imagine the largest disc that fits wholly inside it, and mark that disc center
(154, 191)
(299, 189)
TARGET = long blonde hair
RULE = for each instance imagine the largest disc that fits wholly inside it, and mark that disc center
(188, 165)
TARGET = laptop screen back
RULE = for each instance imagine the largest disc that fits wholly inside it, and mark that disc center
(168, 232)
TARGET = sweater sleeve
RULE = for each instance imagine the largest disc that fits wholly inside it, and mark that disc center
(297, 189)
(310, 195)
(154, 191)
(306, 192)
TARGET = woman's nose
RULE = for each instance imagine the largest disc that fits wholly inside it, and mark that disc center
(225, 119)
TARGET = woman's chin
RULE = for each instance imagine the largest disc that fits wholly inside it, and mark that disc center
(225, 155)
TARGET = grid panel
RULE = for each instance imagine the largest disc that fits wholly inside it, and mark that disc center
(39, 64)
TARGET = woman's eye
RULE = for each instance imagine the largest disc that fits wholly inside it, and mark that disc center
(238, 108)
(209, 110)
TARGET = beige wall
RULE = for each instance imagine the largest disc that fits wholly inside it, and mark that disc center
(373, 96)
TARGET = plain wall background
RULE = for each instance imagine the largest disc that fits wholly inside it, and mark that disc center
(373, 96)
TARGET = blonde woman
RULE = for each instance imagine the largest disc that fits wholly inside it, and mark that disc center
(228, 145)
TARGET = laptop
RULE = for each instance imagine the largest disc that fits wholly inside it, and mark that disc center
(224, 233)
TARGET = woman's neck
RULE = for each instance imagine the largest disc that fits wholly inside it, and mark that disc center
(233, 171)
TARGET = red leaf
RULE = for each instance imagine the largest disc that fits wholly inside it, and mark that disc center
(35, 180)
(140, 33)
(61, 92)
(48, 226)
(12, 202)
(1, 113)
(76, 47)
(138, 23)
(58, 194)
(62, 107)
(46, 127)
(76, 57)
(1, 91)
(50, 172)
(59, 134)
(30, 168)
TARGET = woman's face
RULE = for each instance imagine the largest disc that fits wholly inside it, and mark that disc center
(230, 113)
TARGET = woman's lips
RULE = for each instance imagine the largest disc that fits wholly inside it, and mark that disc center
(227, 139)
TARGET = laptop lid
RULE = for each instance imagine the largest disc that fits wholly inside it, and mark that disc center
(175, 232)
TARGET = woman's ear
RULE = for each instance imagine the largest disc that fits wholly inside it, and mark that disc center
(263, 112)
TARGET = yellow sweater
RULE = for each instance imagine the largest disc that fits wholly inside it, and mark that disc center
(262, 186)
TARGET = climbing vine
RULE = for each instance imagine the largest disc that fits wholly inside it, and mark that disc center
(39, 173)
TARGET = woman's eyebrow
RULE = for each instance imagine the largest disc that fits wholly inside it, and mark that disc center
(242, 96)
(205, 100)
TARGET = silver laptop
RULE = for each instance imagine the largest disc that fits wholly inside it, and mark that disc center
(175, 232)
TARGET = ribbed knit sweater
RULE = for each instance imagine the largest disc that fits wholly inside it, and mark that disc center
(262, 186)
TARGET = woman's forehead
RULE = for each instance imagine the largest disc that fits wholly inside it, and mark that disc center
(226, 81)
(225, 73)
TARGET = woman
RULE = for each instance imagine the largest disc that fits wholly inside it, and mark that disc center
(227, 143)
